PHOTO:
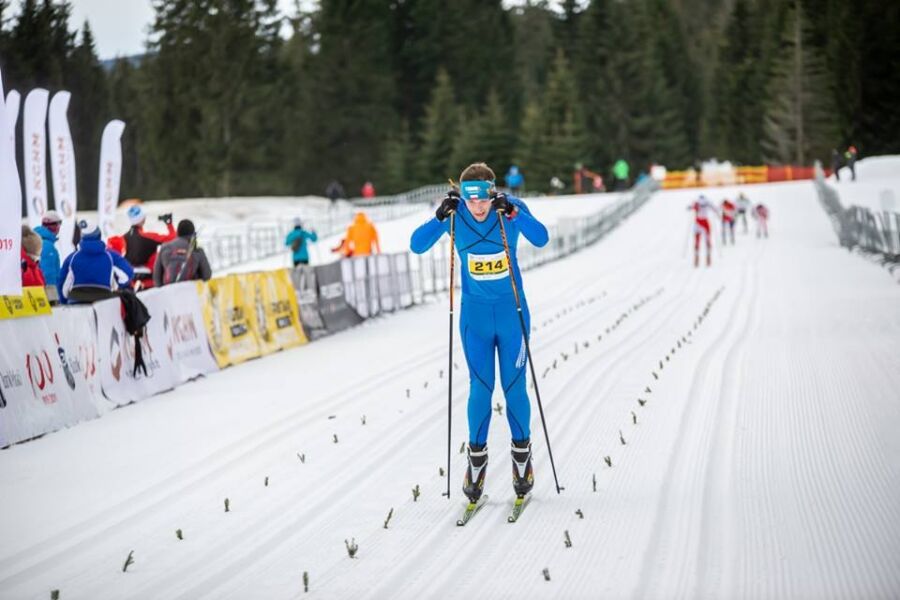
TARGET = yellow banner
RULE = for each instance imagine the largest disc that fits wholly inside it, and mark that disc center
(32, 303)
(228, 319)
(276, 318)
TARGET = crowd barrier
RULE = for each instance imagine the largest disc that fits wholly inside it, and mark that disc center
(726, 174)
(73, 363)
(874, 233)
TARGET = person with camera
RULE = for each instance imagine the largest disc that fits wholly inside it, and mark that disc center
(141, 246)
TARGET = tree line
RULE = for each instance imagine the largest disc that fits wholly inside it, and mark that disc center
(234, 98)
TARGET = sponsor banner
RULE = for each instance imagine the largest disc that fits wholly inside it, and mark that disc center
(34, 154)
(62, 168)
(10, 208)
(336, 312)
(304, 279)
(178, 309)
(228, 320)
(276, 317)
(110, 175)
(116, 355)
(47, 374)
(13, 100)
(32, 303)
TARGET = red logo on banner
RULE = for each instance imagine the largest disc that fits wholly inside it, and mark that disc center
(40, 375)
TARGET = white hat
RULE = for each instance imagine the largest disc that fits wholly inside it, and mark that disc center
(50, 217)
(89, 229)
(136, 214)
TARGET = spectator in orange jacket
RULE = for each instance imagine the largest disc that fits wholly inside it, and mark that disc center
(31, 255)
(362, 237)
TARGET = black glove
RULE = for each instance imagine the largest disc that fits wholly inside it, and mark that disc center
(500, 201)
(448, 205)
(166, 218)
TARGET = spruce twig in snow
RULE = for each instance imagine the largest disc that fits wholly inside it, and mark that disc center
(302, 457)
(462, 448)
(621, 438)
(363, 419)
(54, 595)
(568, 539)
(634, 417)
(660, 365)
(608, 461)
(352, 547)
(579, 513)
(641, 401)
(648, 390)
(407, 392)
(179, 534)
(595, 482)
(546, 573)
(335, 438)
(227, 505)
(655, 376)
(388, 520)
(426, 385)
(266, 482)
(128, 561)
(441, 374)
(416, 493)
(441, 471)
(305, 582)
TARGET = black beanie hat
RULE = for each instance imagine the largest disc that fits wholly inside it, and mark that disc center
(185, 228)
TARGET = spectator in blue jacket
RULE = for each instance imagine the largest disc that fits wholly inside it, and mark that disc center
(49, 232)
(297, 240)
(92, 272)
(515, 181)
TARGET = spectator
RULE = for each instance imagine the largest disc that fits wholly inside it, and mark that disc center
(181, 259)
(851, 156)
(368, 190)
(141, 246)
(515, 181)
(362, 236)
(581, 177)
(31, 256)
(298, 241)
(334, 191)
(836, 160)
(49, 232)
(343, 249)
(620, 175)
(597, 184)
(92, 272)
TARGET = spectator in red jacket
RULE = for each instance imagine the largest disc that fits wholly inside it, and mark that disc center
(31, 256)
(141, 245)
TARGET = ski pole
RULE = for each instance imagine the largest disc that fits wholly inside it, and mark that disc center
(450, 353)
(537, 393)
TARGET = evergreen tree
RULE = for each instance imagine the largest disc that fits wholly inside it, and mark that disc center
(396, 173)
(799, 119)
(439, 127)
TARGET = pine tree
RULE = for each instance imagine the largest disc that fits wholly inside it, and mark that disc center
(799, 119)
(438, 130)
(396, 172)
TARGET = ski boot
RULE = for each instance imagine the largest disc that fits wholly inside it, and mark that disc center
(523, 472)
(473, 483)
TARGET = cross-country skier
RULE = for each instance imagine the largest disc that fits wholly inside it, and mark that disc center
(761, 214)
(489, 323)
(743, 207)
(728, 215)
(702, 207)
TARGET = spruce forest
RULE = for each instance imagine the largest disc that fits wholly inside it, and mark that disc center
(233, 98)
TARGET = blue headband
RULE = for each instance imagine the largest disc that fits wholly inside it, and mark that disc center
(476, 189)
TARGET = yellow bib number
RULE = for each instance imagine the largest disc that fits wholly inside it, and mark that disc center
(484, 267)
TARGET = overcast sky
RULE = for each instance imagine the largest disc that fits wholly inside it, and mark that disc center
(120, 26)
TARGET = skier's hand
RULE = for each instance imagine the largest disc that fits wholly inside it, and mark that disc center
(500, 201)
(448, 205)
(166, 218)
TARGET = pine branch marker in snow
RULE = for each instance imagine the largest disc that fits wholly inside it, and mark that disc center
(54, 595)
(388, 520)
(227, 505)
(641, 401)
(128, 561)
(335, 438)
(425, 386)
(305, 582)
(407, 392)
(441, 471)
(352, 547)
(648, 390)
(546, 573)
(302, 457)
(416, 493)
(462, 448)
(363, 419)
(579, 513)
(634, 417)
(655, 376)
(266, 482)
(568, 539)
(179, 534)
(595, 482)
(621, 437)
(608, 461)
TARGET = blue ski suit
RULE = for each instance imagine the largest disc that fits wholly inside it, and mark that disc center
(488, 320)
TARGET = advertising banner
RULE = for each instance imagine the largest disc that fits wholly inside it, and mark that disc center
(336, 312)
(13, 100)
(10, 209)
(304, 279)
(34, 154)
(110, 176)
(46, 375)
(276, 316)
(227, 317)
(31, 303)
(177, 307)
(62, 168)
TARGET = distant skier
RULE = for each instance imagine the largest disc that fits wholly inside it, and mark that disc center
(836, 163)
(489, 324)
(702, 207)
(729, 211)
(761, 214)
(743, 207)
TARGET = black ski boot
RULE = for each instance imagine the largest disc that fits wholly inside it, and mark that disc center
(473, 484)
(523, 472)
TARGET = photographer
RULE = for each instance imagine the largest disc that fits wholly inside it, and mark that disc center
(141, 246)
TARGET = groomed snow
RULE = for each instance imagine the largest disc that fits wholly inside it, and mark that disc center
(764, 463)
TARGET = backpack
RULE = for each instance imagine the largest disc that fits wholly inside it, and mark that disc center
(295, 245)
(135, 317)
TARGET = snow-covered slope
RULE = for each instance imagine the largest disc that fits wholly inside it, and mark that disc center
(764, 462)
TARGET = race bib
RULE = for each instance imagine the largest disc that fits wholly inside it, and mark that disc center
(485, 267)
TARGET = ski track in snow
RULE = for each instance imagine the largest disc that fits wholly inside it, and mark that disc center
(763, 465)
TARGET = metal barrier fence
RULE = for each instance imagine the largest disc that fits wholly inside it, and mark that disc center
(875, 233)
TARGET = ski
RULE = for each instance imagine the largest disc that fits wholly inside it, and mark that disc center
(518, 506)
(471, 510)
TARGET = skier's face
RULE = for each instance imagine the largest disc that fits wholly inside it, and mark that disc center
(480, 209)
